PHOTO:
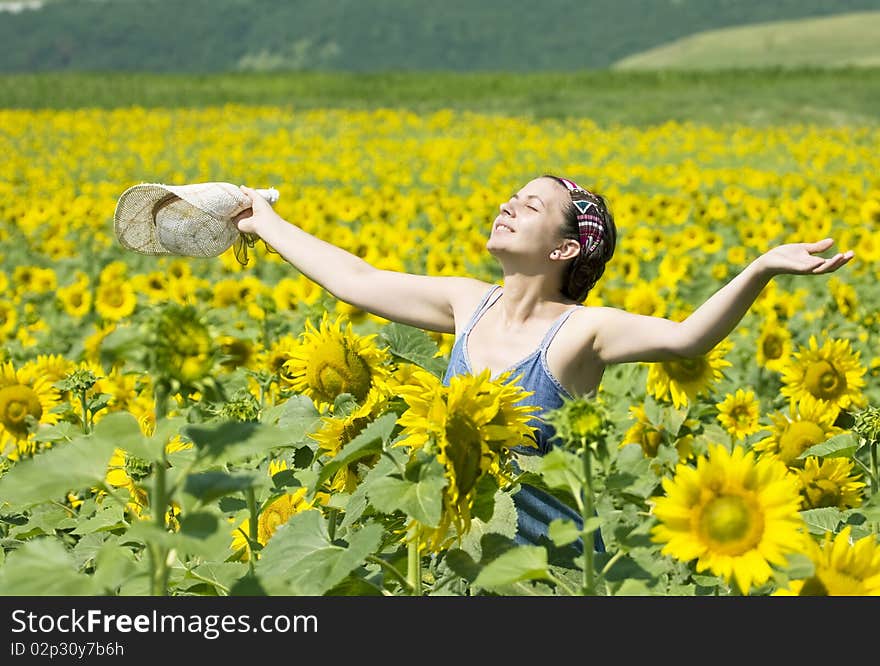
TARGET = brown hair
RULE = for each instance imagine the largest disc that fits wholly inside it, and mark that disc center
(584, 271)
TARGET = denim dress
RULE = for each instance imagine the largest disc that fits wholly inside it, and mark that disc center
(535, 507)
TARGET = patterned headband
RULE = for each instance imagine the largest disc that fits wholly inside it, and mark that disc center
(591, 227)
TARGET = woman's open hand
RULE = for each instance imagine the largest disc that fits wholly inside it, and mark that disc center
(801, 259)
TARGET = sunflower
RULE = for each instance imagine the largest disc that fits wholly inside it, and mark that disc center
(128, 472)
(870, 211)
(331, 360)
(683, 380)
(286, 295)
(26, 400)
(281, 351)
(337, 431)
(181, 344)
(774, 345)
(643, 432)
(153, 285)
(92, 343)
(237, 352)
(830, 483)
(76, 299)
(831, 373)
(270, 519)
(840, 567)
(470, 425)
(131, 473)
(739, 413)
(736, 515)
(643, 298)
(115, 300)
(8, 319)
(811, 422)
(53, 367)
(845, 297)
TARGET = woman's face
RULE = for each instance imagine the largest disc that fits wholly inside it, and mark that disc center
(530, 221)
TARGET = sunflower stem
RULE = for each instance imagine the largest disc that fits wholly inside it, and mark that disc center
(586, 514)
(85, 411)
(160, 563)
(390, 568)
(875, 480)
(331, 525)
(414, 562)
(253, 527)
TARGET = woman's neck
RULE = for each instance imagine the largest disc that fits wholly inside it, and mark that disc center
(526, 298)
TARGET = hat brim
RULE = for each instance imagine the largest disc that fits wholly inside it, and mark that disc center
(134, 219)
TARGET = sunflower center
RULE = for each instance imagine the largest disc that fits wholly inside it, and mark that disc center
(17, 402)
(270, 520)
(114, 298)
(741, 414)
(772, 347)
(238, 353)
(813, 587)
(464, 451)
(337, 370)
(823, 493)
(824, 381)
(731, 524)
(685, 370)
(797, 438)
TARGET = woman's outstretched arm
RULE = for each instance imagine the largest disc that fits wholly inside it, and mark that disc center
(622, 337)
(417, 300)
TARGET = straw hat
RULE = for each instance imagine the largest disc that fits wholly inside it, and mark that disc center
(186, 220)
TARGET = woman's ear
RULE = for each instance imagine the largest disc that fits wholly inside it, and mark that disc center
(570, 249)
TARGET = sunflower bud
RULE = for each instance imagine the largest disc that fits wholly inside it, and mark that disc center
(579, 420)
(867, 423)
(182, 346)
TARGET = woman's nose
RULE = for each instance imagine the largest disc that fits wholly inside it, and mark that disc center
(506, 208)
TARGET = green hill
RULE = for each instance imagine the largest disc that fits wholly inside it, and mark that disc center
(848, 40)
(200, 36)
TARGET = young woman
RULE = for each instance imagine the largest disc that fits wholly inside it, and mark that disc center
(552, 239)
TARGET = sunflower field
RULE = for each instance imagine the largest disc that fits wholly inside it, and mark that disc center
(181, 427)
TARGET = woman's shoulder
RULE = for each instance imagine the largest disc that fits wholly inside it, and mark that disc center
(467, 295)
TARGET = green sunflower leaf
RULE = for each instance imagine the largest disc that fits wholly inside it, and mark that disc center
(562, 469)
(43, 567)
(221, 575)
(826, 519)
(209, 486)
(563, 532)
(107, 518)
(632, 588)
(76, 465)
(516, 565)
(113, 565)
(413, 345)
(123, 429)
(421, 500)
(300, 559)
(234, 441)
(843, 445)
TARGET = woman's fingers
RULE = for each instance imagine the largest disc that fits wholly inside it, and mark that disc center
(833, 263)
(247, 212)
(819, 246)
